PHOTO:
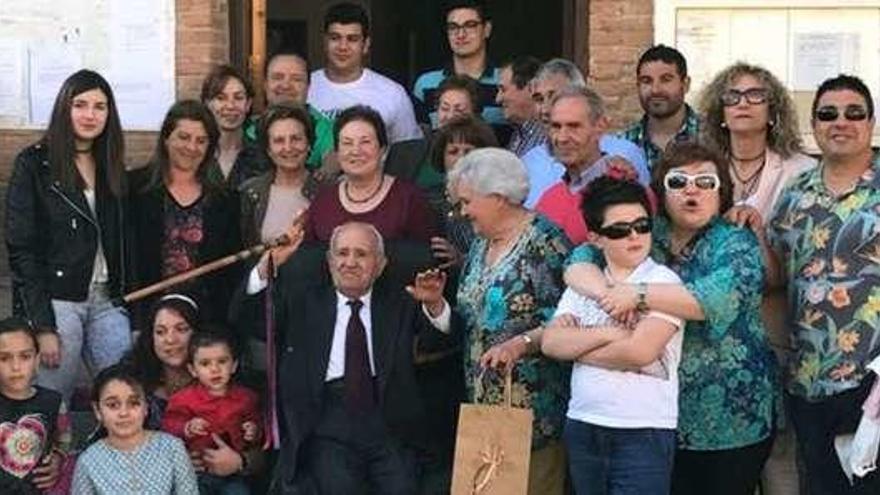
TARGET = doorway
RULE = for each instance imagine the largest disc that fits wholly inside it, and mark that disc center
(408, 37)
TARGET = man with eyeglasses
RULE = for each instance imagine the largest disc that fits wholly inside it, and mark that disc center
(468, 28)
(662, 82)
(824, 234)
(577, 122)
(345, 82)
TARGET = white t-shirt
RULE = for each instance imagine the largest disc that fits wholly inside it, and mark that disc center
(373, 89)
(625, 399)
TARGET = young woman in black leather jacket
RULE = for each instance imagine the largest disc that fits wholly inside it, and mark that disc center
(66, 234)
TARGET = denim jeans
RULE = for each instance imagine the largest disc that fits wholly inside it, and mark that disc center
(210, 484)
(93, 329)
(619, 461)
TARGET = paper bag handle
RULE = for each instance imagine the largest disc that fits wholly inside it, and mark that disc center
(508, 386)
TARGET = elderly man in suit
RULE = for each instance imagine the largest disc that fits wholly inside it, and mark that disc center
(349, 406)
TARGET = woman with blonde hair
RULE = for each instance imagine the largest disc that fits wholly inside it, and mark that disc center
(751, 118)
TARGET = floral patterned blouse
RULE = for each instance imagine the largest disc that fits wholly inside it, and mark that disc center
(518, 293)
(183, 235)
(727, 397)
(830, 252)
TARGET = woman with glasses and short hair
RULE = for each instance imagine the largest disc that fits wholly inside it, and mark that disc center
(751, 118)
(727, 375)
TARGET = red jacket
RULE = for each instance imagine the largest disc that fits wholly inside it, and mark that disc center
(224, 415)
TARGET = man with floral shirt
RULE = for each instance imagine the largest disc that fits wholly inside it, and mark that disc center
(826, 235)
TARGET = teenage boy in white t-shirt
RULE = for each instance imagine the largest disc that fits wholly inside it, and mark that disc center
(345, 82)
(620, 431)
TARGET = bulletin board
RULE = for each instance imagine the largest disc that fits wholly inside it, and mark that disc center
(129, 42)
(801, 42)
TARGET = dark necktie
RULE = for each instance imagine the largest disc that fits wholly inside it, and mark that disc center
(358, 378)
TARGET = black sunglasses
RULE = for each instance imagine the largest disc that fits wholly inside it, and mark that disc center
(851, 112)
(754, 96)
(620, 230)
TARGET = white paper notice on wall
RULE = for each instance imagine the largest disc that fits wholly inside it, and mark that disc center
(13, 101)
(129, 42)
(818, 56)
(49, 66)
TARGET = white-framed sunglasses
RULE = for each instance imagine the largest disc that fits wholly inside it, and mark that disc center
(674, 181)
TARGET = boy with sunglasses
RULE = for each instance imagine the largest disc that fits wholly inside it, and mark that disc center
(824, 234)
(621, 419)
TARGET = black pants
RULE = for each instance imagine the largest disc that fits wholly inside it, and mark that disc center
(352, 454)
(720, 472)
(816, 425)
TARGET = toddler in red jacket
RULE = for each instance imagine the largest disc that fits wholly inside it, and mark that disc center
(214, 405)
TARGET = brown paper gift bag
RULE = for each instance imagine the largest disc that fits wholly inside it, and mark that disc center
(492, 448)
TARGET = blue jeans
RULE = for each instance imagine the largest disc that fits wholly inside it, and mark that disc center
(210, 484)
(619, 461)
(93, 329)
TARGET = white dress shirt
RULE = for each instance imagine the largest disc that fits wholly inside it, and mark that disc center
(336, 363)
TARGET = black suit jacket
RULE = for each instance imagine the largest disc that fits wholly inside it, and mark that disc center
(305, 320)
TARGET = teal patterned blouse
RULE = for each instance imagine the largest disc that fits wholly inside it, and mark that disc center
(830, 248)
(518, 293)
(727, 396)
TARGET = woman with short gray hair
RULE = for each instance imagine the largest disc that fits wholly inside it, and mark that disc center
(493, 171)
(509, 286)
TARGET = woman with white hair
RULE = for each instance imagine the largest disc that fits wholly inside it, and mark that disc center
(509, 286)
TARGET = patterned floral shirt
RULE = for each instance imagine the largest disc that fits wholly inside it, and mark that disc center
(727, 373)
(183, 235)
(518, 293)
(638, 134)
(830, 250)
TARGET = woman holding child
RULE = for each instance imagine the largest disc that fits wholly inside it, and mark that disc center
(160, 362)
(727, 372)
(621, 419)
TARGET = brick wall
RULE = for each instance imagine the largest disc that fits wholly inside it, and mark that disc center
(620, 30)
(202, 40)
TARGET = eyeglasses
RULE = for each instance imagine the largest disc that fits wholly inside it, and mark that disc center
(620, 230)
(468, 27)
(830, 113)
(674, 181)
(754, 96)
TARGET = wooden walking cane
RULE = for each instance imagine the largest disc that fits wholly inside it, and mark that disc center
(198, 271)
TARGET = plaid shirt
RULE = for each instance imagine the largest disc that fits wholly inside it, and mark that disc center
(526, 137)
(638, 134)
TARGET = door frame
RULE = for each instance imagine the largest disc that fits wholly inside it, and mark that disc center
(243, 56)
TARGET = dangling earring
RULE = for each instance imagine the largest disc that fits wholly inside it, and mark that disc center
(724, 125)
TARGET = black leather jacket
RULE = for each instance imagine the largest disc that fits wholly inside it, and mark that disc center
(52, 237)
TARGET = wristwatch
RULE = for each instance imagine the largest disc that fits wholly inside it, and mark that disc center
(641, 294)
